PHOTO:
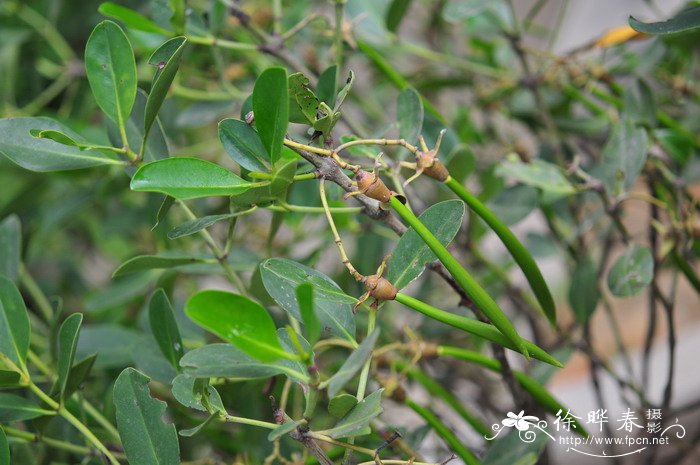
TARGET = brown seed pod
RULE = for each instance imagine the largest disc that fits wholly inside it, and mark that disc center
(372, 186)
(431, 166)
(380, 288)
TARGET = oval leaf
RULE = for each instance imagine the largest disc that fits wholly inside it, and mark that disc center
(408, 259)
(352, 364)
(67, 343)
(132, 19)
(238, 320)
(39, 154)
(167, 60)
(354, 423)
(164, 328)
(632, 272)
(686, 20)
(146, 439)
(243, 145)
(333, 307)
(187, 178)
(111, 71)
(305, 298)
(410, 115)
(14, 323)
(17, 408)
(583, 293)
(271, 109)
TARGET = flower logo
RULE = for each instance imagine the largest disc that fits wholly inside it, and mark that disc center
(521, 421)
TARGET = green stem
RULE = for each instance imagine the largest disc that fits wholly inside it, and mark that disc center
(519, 253)
(463, 278)
(77, 424)
(338, 38)
(478, 328)
(534, 388)
(47, 95)
(285, 207)
(31, 286)
(55, 443)
(250, 421)
(445, 433)
(215, 42)
(48, 31)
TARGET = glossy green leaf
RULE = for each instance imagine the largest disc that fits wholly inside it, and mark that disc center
(14, 323)
(355, 422)
(411, 254)
(583, 291)
(187, 178)
(194, 226)
(333, 307)
(78, 374)
(303, 103)
(164, 328)
(67, 343)
(684, 21)
(243, 145)
(184, 392)
(146, 439)
(17, 408)
(283, 173)
(111, 71)
(271, 109)
(227, 361)
(56, 136)
(4, 448)
(538, 173)
(396, 13)
(10, 247)
(149, 360)
(131, 19)
(112, 344)
(238, 320)
(631, 272)
(151, 262)
(623, 156)
(340, 405)
(37, 154)
(163, 210)
(166, 58)
(352, 364)
(409, 113)
(305, 299)
(283, 429)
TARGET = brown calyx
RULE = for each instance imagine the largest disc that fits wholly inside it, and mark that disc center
(428, 163)
(380, 288)
(372, 186)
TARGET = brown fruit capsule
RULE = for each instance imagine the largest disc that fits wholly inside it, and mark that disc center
(380, 288)
(372, 186)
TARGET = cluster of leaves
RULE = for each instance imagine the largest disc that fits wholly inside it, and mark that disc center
(151, 319)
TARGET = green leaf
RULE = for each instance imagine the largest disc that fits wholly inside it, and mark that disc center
(639, 103)
(631, 272)
(187, 178)
(271, 109)
(537, 173)
(460, 10)
(164, 328)
(4, 449)
(686, 20)
(10, 247)
(283, 429)
(67, 343)
(238, 320)
(184, 392)
(194, 226)
(340, 405)
(35, 154)
(14, 323)
(56, 136)
(179, 16)
(167, 60)
(623, 156)
(583, 292)
(156, 143)
(9, 379)
(333, 307)
(305, 298)
(395, 14)
(354, 423)
(150, 262)
(78, 374)
(409, 114)
(326, 89)
(303, 103)
(192, 431)
(111, 71)
(411, 254)
(283, 173)
(510, 449)
(352, 364)
(243, 145)
(344, 91)
(132, 19)
(146, 439)
(227, 361)
(16, 408)
(112, 344)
